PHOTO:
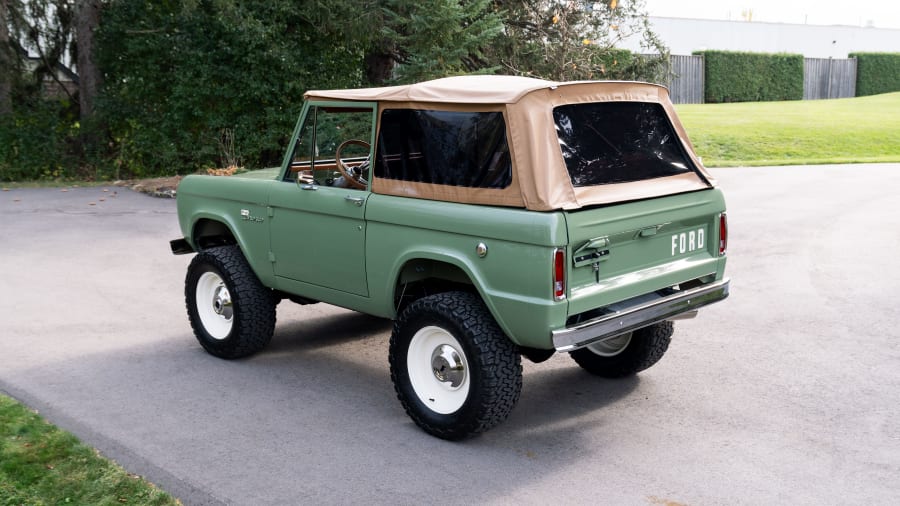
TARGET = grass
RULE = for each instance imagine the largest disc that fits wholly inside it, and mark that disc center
(847, 130)
(42, 465)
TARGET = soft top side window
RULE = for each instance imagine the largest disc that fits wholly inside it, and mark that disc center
(444, 147)
(618, 142)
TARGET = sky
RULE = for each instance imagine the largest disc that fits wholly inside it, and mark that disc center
(878, 13)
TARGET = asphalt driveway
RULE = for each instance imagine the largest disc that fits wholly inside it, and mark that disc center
(787, 393)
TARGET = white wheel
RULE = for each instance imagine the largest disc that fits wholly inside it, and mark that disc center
(455, 372)
(231, 312)
(612, 346)
(438, 370)
(214, 305)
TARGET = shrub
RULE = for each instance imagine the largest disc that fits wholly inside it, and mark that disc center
(877, 73)
(180, 74)
(37, 141)
(733, 76)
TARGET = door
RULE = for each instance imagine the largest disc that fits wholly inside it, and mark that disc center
(317, 222)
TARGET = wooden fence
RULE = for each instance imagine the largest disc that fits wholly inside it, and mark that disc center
(822, 78)
(686, 81)
(829, 78)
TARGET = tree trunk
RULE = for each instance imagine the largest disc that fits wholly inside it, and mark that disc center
(379, 67)
(6, 62)
(87, 19)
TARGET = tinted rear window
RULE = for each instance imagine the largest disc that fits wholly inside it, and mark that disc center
(441, 147)
(618, 142)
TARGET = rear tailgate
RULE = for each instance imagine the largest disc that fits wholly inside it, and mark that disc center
(627, 250)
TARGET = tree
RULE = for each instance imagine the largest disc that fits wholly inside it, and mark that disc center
(6, 61)
(183, 75)
(576, 39)
(406, 40)
(87, 18)
(44, 28)
(439, 38)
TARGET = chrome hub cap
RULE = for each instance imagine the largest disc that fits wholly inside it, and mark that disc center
(222, 302)
(448, 366)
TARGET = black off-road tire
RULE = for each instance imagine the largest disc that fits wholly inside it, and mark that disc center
(646, 347)
(493, 366)
(252, 317)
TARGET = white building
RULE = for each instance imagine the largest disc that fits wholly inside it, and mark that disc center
(684, 36)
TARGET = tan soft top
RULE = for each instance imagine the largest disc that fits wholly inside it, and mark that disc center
(540, 179)
(460, 90)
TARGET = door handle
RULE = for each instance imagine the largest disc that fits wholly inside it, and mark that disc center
(310, 187)
(356, 200)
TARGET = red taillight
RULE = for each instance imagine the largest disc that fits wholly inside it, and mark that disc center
(559, 274)
(723, 234)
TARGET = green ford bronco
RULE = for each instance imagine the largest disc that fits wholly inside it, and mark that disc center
(490, 217)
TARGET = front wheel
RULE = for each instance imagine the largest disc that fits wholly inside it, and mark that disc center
(455, 371)
(231, 312)
(626, 354)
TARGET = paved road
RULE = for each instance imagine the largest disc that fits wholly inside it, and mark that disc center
(785, 394)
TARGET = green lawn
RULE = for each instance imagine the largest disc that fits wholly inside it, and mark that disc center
(42, 465)
(847, 130)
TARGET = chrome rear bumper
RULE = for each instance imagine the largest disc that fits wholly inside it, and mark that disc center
(639, 312)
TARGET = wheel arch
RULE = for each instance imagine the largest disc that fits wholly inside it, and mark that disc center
(211, 230)
(429, 272)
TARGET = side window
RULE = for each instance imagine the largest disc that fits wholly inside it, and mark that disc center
(443, 147)
(333, 147)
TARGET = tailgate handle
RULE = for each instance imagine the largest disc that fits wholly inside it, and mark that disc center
(598, 243)
(647, 232)
(592, 252)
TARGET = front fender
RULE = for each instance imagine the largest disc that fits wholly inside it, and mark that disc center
(240, 205)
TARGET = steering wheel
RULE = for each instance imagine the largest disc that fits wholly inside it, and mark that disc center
(351, 175)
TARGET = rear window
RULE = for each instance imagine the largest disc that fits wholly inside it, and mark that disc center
(618, 142)
(440, 147)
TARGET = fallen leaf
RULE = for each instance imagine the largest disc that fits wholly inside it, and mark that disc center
(64, 190)
(49, 467)
(92, 203)
(102, 200)
(106, 189)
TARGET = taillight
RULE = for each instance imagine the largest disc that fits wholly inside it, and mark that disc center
(723, 234)
(559, 274)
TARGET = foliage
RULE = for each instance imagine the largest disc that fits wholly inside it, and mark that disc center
(179, 74)
(439, 38)
(36, 141)
(877, 73)
(576, 40)
(40, 464)
(734, 76)
(847, 130)
(197, 84)
(44, 28)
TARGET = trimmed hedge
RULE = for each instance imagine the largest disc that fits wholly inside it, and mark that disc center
(877, 73)
(735, 76)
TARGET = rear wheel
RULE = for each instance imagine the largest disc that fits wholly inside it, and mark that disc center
(454, 370)
(626, 354)
(231, 312)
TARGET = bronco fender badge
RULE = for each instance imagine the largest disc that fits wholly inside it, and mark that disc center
(246, 216)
